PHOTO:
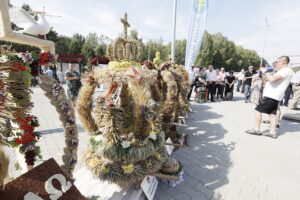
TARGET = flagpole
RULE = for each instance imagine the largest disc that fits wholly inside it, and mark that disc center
(174, 31)
(264, 43)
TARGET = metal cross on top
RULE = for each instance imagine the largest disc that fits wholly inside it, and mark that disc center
(126, 25)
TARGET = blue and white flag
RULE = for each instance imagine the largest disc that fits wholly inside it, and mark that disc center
(196, 31)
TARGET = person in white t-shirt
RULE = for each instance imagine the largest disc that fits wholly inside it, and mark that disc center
(211, 80)
(296, 91)
(273, 93)
(49, 72)
(61, 76)
(240, 78)
(220, 83)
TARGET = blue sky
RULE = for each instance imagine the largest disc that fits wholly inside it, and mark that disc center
(239, 20)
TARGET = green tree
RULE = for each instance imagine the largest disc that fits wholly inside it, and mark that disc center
(205, 56)
(221, 52)
(76, 44)
(180, 48)
(100, 50)
(94, 46)
(88, 51)
(52, 35)
(153, 46)
(62, 45)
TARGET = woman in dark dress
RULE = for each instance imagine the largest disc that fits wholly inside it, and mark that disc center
(229, 81)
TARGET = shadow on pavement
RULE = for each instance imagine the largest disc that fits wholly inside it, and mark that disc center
(288, 126)
(206, 160)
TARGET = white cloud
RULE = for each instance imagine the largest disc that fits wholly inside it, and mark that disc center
(152, 22)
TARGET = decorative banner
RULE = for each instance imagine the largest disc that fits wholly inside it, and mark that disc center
(46, 181)
(196, 31)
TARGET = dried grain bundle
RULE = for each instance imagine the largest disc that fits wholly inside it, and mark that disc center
(109, 120)
(124, 173)
(84, 108)
(116, 152)
(142, 98)
(156, 94)
(184, 88)
(4, 162)
(170, 104)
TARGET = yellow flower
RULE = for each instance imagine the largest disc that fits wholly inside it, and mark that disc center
(94, 162)
(128, 169)
(88, 156)
(105, 170)
(153, 132)
(157, 155)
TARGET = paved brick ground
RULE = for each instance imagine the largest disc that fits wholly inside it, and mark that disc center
(221, 161)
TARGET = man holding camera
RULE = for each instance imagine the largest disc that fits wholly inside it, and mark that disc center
(272, 95)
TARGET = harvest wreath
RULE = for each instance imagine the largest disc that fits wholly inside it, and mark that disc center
(17, 125)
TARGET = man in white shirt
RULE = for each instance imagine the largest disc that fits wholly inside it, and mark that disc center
(222, 74)
(272, 95)
(61, 76)
(211, 79)
(296, 91)
(240, 78)
(49, 72)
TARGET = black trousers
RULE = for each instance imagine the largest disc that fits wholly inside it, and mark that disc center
(287, 95)
(228, 89)
(190, 93)
(239, 85)
(211, 90)
(219, 88)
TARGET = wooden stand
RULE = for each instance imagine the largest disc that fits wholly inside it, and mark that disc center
(175, 145)
(178, 124)
(174, 178)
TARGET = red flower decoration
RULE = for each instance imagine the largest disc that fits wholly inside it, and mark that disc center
(25, 125)
(16, 66)
(45, 58)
